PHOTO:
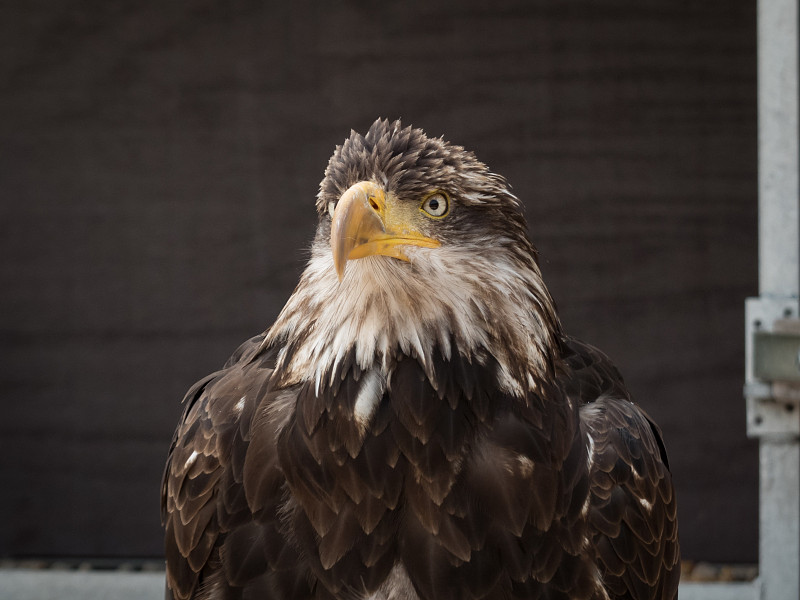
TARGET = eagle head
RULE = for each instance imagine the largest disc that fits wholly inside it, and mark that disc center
(419, 247)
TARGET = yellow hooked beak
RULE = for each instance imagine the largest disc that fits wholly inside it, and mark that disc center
(366, 223)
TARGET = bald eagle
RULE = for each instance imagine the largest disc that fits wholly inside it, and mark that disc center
(416, 425)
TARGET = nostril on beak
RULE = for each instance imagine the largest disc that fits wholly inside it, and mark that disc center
(374, 204)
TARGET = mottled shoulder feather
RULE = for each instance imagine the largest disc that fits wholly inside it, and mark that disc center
(203, 497)
(632, 517)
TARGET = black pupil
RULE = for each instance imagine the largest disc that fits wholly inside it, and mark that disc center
(434, 204)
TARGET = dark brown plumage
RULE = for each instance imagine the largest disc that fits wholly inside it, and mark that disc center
(415, 425)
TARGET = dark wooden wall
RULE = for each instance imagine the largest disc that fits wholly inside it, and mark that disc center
(158, 167)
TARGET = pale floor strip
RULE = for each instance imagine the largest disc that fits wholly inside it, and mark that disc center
(35, 584)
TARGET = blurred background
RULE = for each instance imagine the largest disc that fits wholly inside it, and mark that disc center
(158, 169)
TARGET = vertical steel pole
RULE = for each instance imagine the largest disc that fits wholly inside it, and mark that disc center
(778, 148)
(779, 277)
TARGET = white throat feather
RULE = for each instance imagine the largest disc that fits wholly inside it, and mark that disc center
(478, 298)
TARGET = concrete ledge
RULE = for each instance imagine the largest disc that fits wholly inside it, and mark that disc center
(750, 590)
(54, 584)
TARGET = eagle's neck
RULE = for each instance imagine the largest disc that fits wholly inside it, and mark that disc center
(469, 301)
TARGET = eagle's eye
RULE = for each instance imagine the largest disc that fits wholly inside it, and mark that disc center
(436, 205)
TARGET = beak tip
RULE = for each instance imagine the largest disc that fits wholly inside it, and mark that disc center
(339, 262)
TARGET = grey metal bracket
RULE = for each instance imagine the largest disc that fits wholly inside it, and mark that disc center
(772, 367)
(776, 354)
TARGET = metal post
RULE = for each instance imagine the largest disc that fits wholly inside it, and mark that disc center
(778, 148)
(772, 418)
